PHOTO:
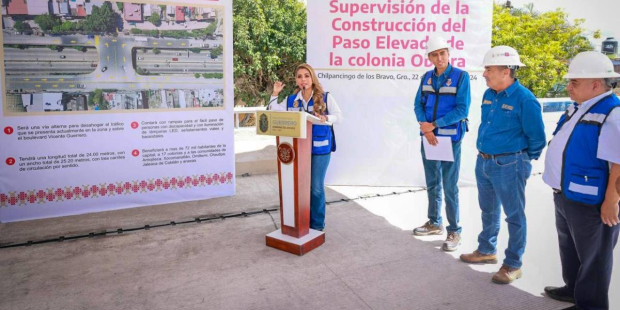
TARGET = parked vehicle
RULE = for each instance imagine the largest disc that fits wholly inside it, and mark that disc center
(81, 86)
(103, 69)
(175, 59)
(140, 58)
(63, 56)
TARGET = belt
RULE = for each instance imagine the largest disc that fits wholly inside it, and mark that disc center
(557, 191)
(489, 156)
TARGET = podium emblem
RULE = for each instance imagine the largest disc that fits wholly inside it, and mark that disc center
(286, 154)
(263, 123)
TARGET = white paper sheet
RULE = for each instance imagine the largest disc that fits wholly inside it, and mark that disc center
(441, 151)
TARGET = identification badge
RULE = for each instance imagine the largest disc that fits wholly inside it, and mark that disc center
(507, 107)
(487, 102)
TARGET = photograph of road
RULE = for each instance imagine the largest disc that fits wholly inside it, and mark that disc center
(80, 55)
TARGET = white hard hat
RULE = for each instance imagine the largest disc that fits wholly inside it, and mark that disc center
(502, 56)
(591, 65)
(436, 43)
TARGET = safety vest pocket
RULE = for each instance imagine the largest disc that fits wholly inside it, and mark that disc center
(586, 185)
(321, 139)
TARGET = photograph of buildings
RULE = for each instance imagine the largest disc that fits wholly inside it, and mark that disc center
(92, 55)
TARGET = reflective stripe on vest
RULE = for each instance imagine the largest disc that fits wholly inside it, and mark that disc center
(584, 175)
(322, 137)
(438, 103)
(594, 117)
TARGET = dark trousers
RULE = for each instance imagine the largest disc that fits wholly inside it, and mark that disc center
(586, 252)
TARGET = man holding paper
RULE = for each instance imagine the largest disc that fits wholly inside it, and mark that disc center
(441, 108)
(510, 135)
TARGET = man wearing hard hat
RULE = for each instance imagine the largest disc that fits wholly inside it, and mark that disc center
(510, 136)
(441, 107)
(582, 164)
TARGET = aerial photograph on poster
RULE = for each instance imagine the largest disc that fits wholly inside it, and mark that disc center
(91, 55)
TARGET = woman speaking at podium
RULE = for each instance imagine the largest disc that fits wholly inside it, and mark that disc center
(310, 97)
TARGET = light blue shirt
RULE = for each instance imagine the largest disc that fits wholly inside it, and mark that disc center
(463, 99)
(511, 122)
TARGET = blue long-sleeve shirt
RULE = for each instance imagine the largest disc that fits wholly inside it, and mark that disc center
(511, 122)
(463, 99)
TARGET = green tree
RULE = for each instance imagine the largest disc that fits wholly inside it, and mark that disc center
(545, 41)
(102, 19)
(197, 75)
(210, 30)
(67, 26)
(96, 100)
(269, 42)
(216, 52)
(156, 51)
(155, 19)
(120, 6)
(46, 22)
(21, 26)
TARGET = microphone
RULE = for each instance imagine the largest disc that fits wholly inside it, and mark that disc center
(270, 101)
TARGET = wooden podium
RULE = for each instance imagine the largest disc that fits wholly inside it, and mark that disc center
(293, 131)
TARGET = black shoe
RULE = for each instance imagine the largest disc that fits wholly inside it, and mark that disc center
(571, 308)
(560, 293)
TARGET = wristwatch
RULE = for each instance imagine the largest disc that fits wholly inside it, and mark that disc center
(434, 124)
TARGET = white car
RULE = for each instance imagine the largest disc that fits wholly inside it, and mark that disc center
(140, 58)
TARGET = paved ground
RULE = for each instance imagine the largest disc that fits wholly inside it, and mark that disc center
(366, 263)
(369, 261)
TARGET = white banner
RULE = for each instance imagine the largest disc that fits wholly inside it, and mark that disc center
(370, 55)
(114, 106)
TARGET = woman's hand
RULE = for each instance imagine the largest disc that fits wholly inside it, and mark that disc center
(323, 118)
(277, 88)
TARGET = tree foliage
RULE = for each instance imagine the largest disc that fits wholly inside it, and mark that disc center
(545, 41)
(269, 42)
(21, 26)
(213, 75)
(46, 22)
(155, 19)
(101, 19)
(210, 30)
(96, 100)
(216, 52)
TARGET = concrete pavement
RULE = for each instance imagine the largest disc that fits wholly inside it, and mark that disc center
(366, 263)
(370, 259)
